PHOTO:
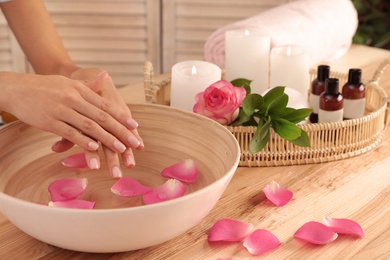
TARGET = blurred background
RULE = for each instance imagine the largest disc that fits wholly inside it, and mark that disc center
(374, 23)
(121, 35)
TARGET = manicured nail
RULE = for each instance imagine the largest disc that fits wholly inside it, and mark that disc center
(93, 145)
(133, 141)
(119, 146)
(142, 145)
(132, 123)
(116, 172)
(130, 161)
(94, 164)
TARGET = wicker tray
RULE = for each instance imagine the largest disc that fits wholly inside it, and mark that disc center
(329, 141)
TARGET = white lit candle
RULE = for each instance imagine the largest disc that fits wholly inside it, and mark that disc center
(188, 79)
(290, 67)
(247, 56)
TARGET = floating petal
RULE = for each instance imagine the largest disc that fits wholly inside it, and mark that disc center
(75, 161)
(344, 226)
(67, 189)
(316, 233)
(185, 171)
(261, 241)
(229, 230)
(128, 187)
(277, 194)
(171, 189)
(74, 204)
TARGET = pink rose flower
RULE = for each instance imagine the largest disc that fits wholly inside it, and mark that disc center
(220, 101)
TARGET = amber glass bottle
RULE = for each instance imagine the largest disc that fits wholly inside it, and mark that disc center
(317, 87)
(331, 102)
(354, 93)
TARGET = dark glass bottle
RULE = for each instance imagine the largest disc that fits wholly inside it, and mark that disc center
(354, 93)
(331, 102)
(317, 87)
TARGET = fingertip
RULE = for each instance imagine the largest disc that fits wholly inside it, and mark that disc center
(132, 123)
(93, 146)
(94, 164)
(116, 172)
(130, 162)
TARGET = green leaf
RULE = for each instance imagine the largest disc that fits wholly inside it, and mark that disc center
(251, 103)
(241, 82)
(287, 111)
(271, 95)
(242, 118)
(286, 129)
(297, 115)
(261, 137)
(303, 140)
(277, 106)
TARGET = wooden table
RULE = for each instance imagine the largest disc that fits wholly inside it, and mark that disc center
(357, 188)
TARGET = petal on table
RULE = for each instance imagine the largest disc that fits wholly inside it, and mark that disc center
(128, 187)
(316, 233)
(277, 194)
(67, 189)
(261, 241)
(171, 189)
(185, 171)
(344, 226)
(75, 161)
(229, 230)
(74, 204)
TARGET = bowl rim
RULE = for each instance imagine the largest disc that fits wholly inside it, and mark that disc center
(229, 174)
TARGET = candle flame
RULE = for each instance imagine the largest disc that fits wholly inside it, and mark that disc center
(288, 51)
(246, 32)
(193, 71)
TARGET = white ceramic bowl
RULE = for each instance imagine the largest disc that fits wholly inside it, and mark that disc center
(28, 166)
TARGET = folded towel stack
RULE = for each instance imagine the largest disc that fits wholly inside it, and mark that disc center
(325, 28)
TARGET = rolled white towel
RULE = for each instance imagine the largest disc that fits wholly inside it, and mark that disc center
(325, 28)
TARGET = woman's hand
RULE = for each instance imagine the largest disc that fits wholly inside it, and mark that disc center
(100, 82)
(75, 111)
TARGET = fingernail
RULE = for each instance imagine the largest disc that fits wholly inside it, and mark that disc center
(94, 164)
(93, 145)
(102, 74)
(142, 145)
(116, 172)
(119, 146)
(133, 141)
(130, 161)
(132, 123)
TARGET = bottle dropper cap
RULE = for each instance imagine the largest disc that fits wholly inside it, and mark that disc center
(323, 72)
(332, 86)
(354, 76)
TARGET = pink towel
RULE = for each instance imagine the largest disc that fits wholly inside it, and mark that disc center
(325, 28)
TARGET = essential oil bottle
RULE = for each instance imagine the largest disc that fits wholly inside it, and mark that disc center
(331, 102)
(317, 87)
(354, 93)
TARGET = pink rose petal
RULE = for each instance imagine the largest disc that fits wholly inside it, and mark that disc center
(261, 241)
(67, 189)
(75, 204)
(316, 233)
(277, 194)
(171, 189)
(229, 230)
(344, 226)
(128, 187)
(185, 171)
(75, 161)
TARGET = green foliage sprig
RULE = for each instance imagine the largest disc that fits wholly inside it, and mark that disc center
(270, 111)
